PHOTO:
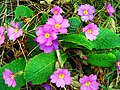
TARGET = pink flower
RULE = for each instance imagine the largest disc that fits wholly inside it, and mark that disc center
(89, 83)
(58, 24)
(110, 9)
(85, 58)
(118, 64)
(9, 78)
(86, 12)
(14, 32)
(91, 31)
(45, 35)
(47, 49)
(61, 77)
(56, 10)
(2, 36)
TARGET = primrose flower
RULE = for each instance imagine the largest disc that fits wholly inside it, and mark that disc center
(61, 77)
(9, 78)
(14, 31)
(86, 12)
(89, 83)
(2, 36)
(110, 9)
(45, 35)
(46, 86)
(56, 10)
(52, 46)
(58, 24)
(85, 58)
(91, 31)
(30, 84)
(118, 64)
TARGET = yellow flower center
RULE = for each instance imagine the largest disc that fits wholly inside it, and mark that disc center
(118, 63)
(88, 83)
(57, 26)
(61, 76)
(0, 36)
(47, 35)
(89, 31)
(12, 76)
(16, 30)
(85, 12)
(56, 12)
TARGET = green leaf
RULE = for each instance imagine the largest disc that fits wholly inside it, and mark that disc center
(68, 45)
(15, 66)
(106, 40)
(78, 39)
(116, 53)
(22, 10)
(74, 24)
(101, 60)
(44, 18)
(40, 68)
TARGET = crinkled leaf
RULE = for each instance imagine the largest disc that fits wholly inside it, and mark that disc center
(106, 40)
(74, 24)
(101, 60)
(15, 66)
(44, 18)
(78, 39)
(23, 11)
(40, 68)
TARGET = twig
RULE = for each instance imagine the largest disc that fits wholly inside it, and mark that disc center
(32, 50)
(22, 50)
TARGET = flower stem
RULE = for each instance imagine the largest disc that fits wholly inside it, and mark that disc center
(19, 73)
(59, 58)
(117, 81)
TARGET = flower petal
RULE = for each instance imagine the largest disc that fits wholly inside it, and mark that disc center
(58, 19)
(8, 81)
(63, 31)
(50, 21)
(19, 33)
(65, 23)
(39, 31)
(14, 83)
(10, 31)
(60, 82)
(54, 78)
(2, 29)
(13, 23)
(84, 79)
(55, 45)
(68, 80)
(48, 41)
(41, 39)
(17, 25)
(48, 49)
(90, 36)
(47, 28)
(12, 37)
(94, 85)
(2, 39)
(54, 35)
(85, 18)
(92, 77)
